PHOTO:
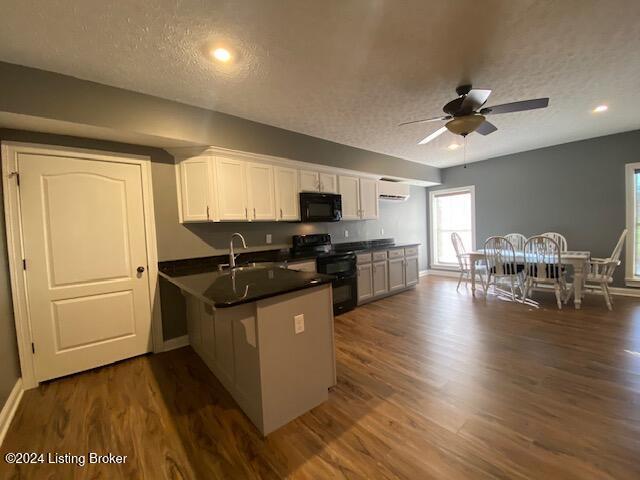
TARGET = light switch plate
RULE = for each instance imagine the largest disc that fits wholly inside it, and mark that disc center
(269, 238)
(381, 231)
(298, 323)
(346, 234)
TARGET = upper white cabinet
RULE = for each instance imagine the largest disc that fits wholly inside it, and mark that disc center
(368, 198)
(349, 188)
(309, 181)
(359, 197)
(286, 190)
(328, 182)
(232, 189)
(236, 187)
(197, 194)
(260, 192)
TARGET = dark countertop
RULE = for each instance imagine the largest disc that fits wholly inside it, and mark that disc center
(230, 288)
(208, 264)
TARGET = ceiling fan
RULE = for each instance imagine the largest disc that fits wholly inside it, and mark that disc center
(465, 115)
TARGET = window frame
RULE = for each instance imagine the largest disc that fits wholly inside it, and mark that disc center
(432, 249)
(630, 278)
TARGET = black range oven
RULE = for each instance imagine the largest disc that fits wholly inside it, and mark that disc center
(320, 207)
(341, 265)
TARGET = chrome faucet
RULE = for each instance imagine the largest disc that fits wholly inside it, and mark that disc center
(232, 256)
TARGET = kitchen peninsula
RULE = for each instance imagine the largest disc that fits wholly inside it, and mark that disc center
(266, 332)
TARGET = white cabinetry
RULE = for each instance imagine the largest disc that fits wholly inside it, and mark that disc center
(396, 273)
(197, 195)
(380, 278)
(368, 199)
(328, 183)
(309, 181)
(232, 189)
(287, 200)
(260, 190)
(365, 282)
(348, 187)
(411, 271)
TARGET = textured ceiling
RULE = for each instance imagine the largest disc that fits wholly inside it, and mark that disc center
(350, 71)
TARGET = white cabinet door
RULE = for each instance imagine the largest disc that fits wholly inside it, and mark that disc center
(328, 183)
(231, 184)
(260, 189)
(368, 198)
(348, 187)
(287, 198)
(380, 278)
(196, 189)
(309, 181)
(412, 270)
(365, 282)
(396, 274)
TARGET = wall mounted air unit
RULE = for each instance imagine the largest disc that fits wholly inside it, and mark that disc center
(393, 190)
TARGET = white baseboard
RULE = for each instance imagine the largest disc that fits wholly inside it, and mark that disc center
(423, 273)
(622, 291)
(174, 343)
(9, 409)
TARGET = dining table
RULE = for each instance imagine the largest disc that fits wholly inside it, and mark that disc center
(578, 260)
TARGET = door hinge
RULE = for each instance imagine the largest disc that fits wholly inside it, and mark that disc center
(24, 264)
(33, 347)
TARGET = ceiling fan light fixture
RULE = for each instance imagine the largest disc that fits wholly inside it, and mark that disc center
(600, 109)
(465, 125)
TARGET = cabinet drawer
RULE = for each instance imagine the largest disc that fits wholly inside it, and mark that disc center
(396, 253)
(411, 251)
(364, 258)
(379, 256)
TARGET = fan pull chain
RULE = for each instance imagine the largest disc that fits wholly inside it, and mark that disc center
(464, 151)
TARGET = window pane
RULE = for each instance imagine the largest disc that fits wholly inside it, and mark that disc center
(451, 213)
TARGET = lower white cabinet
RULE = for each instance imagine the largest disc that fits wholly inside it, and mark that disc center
(396, 273)
(365, 282)
(380, 277)
(411, 271)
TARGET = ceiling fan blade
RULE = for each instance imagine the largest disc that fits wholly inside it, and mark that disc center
(426, 120)
(435, 134)
(516, 106)
(476, 98)
(486, 128)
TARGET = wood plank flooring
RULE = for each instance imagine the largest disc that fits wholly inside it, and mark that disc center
(431, 384)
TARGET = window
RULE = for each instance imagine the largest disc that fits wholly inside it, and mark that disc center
(451, 210)
(632, 264)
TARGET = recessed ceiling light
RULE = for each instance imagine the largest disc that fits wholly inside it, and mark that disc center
(600, 109)
(221, 54)
(454, 146)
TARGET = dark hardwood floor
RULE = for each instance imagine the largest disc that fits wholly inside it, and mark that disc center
(431, 384)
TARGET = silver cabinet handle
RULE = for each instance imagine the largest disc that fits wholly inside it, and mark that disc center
(246, 213)
(281, 214)
(207, 212)
(254, 213)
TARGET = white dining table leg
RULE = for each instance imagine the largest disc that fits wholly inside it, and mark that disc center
(578, 273)
(472, 271)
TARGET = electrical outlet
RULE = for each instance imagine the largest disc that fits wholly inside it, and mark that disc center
(268, 238)
(381, 231)
(298, 323)
(346, 234)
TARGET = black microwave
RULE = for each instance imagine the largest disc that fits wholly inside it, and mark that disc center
(320, 207)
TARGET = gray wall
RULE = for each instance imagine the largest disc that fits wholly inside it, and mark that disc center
(577, 189)
(48, 95)
(405, 221)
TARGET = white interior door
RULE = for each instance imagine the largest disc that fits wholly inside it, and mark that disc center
(86, 262)
(260, 187)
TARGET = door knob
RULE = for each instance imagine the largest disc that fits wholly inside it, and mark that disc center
(140, 269)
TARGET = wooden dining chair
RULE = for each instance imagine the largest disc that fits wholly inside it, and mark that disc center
(601, 270)
(543, 266)
(464, 262)
(517, 240)
(559, 238)
(501, 264)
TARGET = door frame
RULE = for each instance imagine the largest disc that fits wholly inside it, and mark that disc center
(15, 247)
